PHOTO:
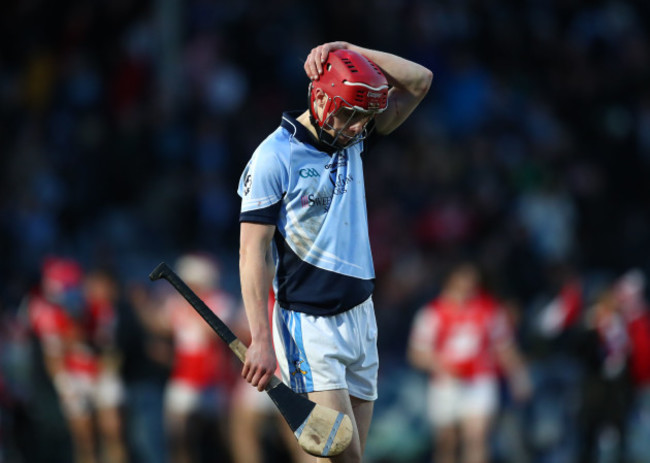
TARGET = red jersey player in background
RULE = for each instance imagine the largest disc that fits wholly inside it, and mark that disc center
(67, 322)
(203, 372)
(463, 339)
(101, 294)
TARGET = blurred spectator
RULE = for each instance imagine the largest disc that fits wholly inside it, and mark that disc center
(549, 333)
(564, 309)
(197, 395)
(548, 215)
(145, 367)
(606, 393)
(101, 293)
(629, 291)
(462, 337)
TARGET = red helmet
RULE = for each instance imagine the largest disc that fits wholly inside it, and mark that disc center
(60, 273)
(352, 81)
(61, 280)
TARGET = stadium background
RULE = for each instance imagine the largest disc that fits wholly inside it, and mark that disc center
(124, 127)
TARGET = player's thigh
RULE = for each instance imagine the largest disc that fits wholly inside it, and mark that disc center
(180, 401)
(475, 430)
(479, 408)
(359, 409)
(444, 399)
(338, 399)
(480, 398)
(363, 410)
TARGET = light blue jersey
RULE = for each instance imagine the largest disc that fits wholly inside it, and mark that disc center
(316, 199)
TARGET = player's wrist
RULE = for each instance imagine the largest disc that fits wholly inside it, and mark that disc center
(263, 340)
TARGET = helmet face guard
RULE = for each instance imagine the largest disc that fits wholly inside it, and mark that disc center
(356, 90)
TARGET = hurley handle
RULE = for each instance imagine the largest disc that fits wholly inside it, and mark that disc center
(163, 270)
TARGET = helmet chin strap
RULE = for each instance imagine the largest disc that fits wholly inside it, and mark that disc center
(326, 141)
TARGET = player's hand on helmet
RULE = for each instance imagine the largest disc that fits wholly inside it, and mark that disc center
(260, 364)
(318, 56)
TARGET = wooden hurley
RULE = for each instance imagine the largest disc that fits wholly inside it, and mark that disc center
(320, 431)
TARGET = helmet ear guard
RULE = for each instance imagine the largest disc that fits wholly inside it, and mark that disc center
(349, 80)
(330, 107)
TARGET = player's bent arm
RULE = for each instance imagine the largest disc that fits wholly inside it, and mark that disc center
(255, 240)
(409, 81)
(420, 359)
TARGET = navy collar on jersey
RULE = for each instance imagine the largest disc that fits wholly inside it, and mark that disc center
(302, 133)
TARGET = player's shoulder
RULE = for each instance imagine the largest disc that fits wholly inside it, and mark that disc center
(429, 310)
(272, 150)
(275, 141)
(486, 302)
(439, 304)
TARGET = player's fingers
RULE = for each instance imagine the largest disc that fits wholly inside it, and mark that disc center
(310, 64)
(318, 60)
(245, 372)
(252, 373)
(256, 378)
(264, 380)
(310, 70)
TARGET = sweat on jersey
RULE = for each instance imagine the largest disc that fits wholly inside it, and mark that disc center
(316, 200)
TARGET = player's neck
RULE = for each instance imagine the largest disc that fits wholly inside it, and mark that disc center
(304, 120)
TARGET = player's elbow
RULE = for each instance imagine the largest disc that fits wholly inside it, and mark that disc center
(423, 84)
(416, 358)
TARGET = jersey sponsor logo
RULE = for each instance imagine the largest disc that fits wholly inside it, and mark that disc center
(340, 161)
(335, 165)
(340, 183)
(313, 200)
(309, 172)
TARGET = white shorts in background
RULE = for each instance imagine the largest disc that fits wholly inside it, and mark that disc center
(183, 398)
(109, 391)
(453, 400)
(83, 393)
(244, 393)
(327, 353)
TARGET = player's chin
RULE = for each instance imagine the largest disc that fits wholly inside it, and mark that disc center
(345, 141)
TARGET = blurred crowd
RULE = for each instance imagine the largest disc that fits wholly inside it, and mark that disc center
(124, 127)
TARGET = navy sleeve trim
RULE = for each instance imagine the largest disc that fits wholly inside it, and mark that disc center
(267, 215)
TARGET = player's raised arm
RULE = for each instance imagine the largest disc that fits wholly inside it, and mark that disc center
(409, 81)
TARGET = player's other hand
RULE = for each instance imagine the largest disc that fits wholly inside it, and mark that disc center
(260, 365)
(318, 56)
